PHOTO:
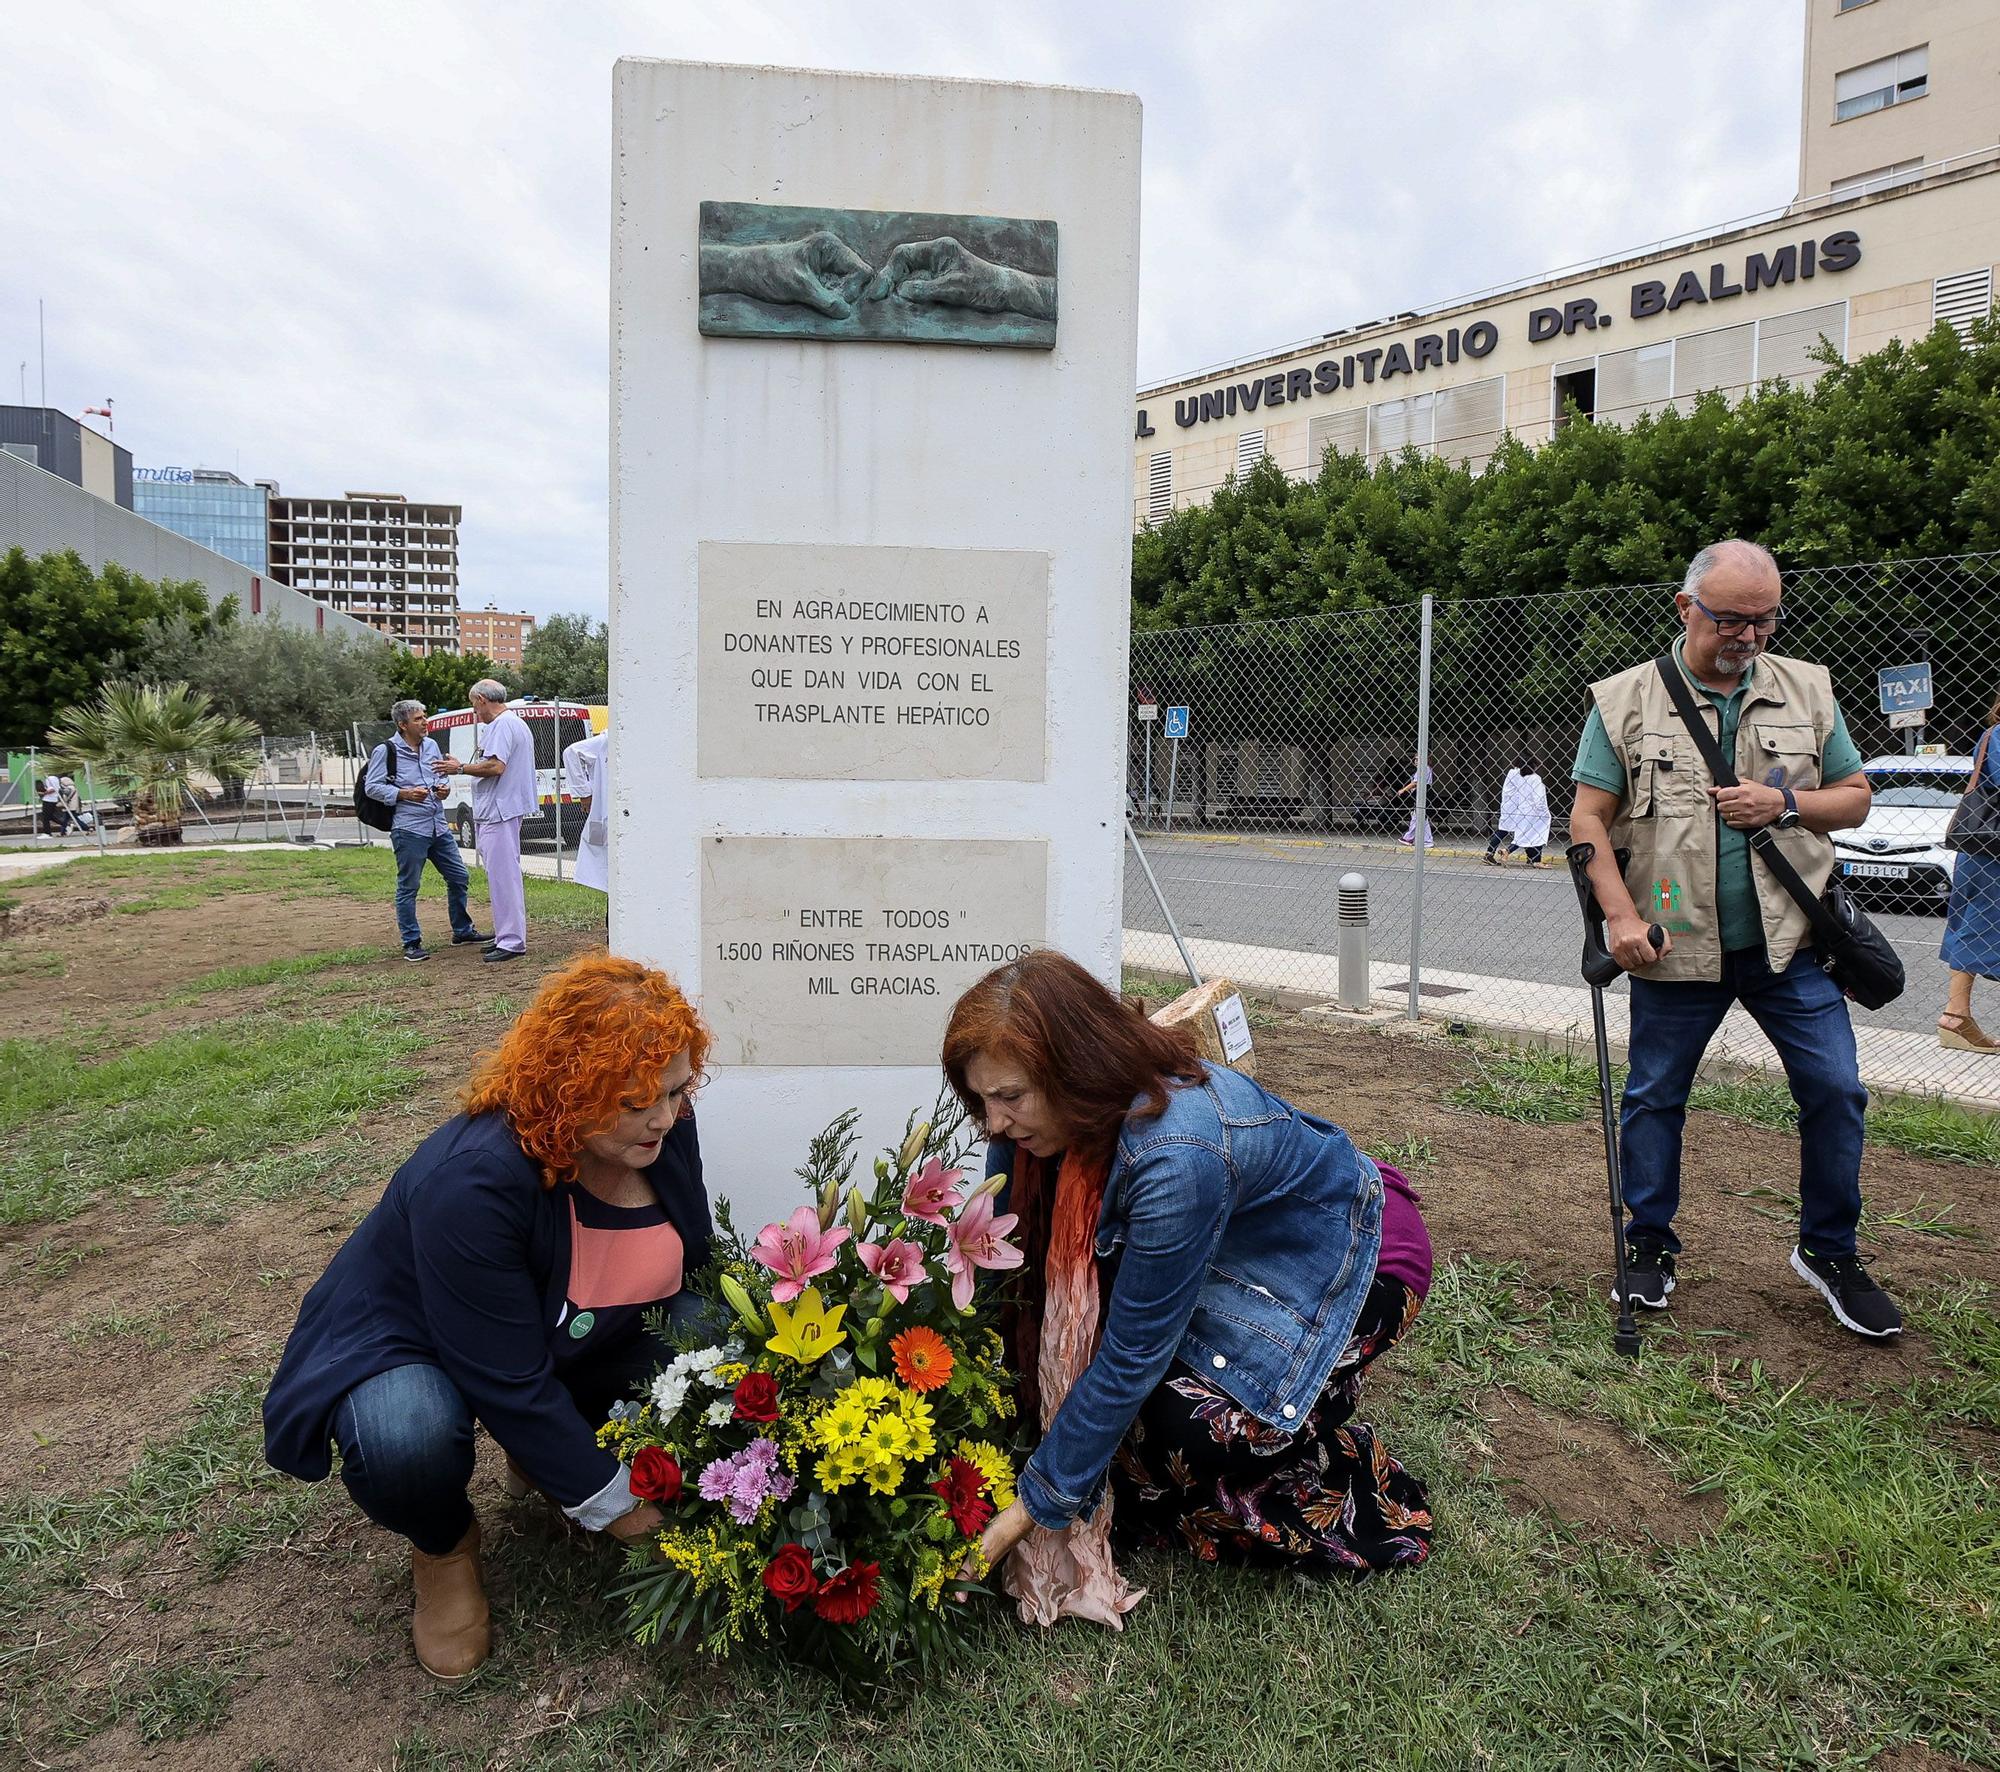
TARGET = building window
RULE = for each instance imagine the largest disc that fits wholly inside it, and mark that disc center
(1787, 343)
(1874, 86)
(1963, 298)
(1574, 384)
(1879, 177)
(31, 453)
(1249, 452)
(1396, 425)
(1635, 382)
(1346, 433)
(1850, 5)
(1160, 487)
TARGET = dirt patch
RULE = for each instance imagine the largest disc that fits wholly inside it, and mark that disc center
(1588, 1474)
(51, 914)
(1536, 1195)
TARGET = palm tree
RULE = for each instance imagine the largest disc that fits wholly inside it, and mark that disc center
(158, 736)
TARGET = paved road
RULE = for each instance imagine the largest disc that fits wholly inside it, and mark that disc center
(1501, 923)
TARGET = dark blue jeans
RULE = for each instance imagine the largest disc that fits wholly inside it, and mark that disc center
(413, 849)
(405, 1439)
(1804, 1015)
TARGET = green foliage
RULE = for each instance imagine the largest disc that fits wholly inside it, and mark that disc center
(158, 739)
(1894, 456)
(286, 681)
(62, 625)
(443, 680)
(568, 657)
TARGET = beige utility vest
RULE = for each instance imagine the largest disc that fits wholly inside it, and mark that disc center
(1668, 822)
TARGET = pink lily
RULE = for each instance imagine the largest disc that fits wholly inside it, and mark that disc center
(977, 1240)
(930, 1194)
(897, 1264)
(797, 1251)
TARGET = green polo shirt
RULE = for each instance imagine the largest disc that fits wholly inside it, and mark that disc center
(1597, 765)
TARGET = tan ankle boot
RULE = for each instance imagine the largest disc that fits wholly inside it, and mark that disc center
(451, 1628)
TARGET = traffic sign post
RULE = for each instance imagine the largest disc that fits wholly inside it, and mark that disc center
(1904, 692)
(1177, 729)
(1149, 712)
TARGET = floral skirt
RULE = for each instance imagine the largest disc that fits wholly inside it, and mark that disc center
(1198, 1472)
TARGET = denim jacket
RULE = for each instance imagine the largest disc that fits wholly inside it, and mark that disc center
(1245, 1234)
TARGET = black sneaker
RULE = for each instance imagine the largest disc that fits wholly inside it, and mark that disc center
(471, 935)
(1858, 1303)
(416, 951)
(1649, 1273)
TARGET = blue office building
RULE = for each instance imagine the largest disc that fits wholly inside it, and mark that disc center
(208, 506)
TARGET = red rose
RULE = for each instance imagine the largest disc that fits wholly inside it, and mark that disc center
(756, 1397)
(789, 1576)
(655, 1475)
(848, 1597)
(961, 1487)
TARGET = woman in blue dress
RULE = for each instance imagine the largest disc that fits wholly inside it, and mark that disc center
(1972, 928)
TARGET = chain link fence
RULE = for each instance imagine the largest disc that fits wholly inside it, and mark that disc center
(1311, 742)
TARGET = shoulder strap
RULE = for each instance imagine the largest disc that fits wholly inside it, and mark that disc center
(1763, 842)
(1711, 752)
(1979, 760)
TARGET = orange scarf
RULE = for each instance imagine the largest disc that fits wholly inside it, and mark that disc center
(1071, 1571)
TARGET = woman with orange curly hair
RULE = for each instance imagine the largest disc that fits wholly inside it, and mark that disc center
(502, 1279)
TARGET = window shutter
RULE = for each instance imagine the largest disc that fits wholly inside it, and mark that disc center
(1468, 420)
(1249, 452)
(1720, 359)
(1396, 425)
(1633, 382)
(1962, 299)
(1785, 341)
(1344, 431)
(1160, 487)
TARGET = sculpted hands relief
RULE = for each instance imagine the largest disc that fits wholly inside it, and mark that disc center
(775, 271)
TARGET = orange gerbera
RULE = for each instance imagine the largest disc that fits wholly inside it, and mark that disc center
(923, 1361)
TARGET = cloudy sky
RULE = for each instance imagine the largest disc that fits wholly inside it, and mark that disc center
(365, 246)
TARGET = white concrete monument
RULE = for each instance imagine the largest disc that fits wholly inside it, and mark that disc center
(873, 356)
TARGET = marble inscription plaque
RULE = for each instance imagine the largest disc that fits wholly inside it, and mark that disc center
(773, 270)
(828, 663)
(850, 951)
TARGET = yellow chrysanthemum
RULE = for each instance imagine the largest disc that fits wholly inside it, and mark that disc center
(884, 1475)
(888, 1436)
(843, 1422)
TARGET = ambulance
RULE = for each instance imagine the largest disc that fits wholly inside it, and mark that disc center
(553, 725)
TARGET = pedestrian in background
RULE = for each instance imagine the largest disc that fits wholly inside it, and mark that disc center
(403, 773)
(1409, 837)
(1731, 933)
(55, 821)
(587, 769)
(503, 793)
(1524, 815)
(1972, 925)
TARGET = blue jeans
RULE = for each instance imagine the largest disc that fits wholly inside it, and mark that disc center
(405, 1438)
(1804, 1015)
(413, 849)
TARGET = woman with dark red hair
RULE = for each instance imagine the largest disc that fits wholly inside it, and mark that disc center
(502, 1279)
(1209, 1270)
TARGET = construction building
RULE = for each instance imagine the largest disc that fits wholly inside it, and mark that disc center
(377, 557)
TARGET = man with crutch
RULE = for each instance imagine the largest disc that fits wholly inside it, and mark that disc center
(1732, 930)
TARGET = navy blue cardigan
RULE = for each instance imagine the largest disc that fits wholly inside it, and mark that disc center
(464, 1264)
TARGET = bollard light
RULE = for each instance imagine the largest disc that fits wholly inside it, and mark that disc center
(1354, 990)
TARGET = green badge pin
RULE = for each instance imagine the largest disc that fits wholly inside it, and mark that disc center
(581, 1324)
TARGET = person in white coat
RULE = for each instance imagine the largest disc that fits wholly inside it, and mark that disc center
(1524, 815)
(587, 775)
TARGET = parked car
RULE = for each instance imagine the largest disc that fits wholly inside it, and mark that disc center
(1897, 856)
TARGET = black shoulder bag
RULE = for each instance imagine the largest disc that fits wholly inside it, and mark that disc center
(1852, 951)
(370, 811)
(1975, 826)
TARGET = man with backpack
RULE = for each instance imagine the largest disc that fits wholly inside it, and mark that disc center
(403, 776)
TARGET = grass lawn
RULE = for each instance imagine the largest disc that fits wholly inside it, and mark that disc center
(1760, 1545)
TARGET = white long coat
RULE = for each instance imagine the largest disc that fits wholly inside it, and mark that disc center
(587, 770)
(1524, 809)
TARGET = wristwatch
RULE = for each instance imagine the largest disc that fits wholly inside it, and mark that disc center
(1788, 820)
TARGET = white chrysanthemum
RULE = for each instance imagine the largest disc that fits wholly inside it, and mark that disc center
(669, 1393)
(719, 1411)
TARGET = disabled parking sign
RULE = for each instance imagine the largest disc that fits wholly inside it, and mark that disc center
(1177, 722)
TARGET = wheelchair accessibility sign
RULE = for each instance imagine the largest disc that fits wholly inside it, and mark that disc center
(1177, 722)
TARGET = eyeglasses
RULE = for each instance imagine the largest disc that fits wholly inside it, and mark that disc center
(1729, 622)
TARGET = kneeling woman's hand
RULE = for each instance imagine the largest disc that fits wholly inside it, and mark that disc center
(1005, 1530)
(637, 1524)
